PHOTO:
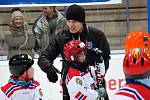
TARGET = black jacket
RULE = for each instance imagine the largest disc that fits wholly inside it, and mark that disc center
(93, 36)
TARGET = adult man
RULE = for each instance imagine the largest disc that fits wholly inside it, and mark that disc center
(136, 66)
(78, 30)
(47, 24)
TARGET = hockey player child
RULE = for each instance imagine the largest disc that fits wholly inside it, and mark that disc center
(21, 85)
(136, 66)
(81, 79)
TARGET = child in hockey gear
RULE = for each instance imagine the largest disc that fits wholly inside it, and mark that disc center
(81, 79)
(21, 85)
(136, 66)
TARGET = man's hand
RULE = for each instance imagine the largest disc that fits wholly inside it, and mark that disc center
(51, 74)
(102, 92)
(95, 54)
(98, 54)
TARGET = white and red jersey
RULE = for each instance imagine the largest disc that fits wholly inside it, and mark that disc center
(3, 96)
(133, 92)
(81, 85)
(18, 92)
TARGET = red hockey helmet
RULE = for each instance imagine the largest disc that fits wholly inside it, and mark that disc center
(136, 63)
(72, 49)
(137, 39)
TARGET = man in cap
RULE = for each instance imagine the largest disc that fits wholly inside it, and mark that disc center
(77, 30)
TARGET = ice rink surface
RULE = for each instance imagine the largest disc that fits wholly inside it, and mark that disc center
(53, 91)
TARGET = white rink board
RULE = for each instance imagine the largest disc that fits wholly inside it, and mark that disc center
(53, 91)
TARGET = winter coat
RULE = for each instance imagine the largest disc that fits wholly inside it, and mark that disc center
(44, 29)
(19, 40)
(93, 37)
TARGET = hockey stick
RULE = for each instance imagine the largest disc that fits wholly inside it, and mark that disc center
(99, 66)
(100, 86)
(56, 70)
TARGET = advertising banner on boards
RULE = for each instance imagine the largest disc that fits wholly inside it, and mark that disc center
(14, 3)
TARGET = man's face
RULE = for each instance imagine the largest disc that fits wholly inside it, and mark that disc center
(75, 26)
(18, 21)
(48, 10)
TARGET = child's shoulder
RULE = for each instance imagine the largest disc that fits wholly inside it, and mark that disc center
(73, 72)
(35, 82)
(7, 87)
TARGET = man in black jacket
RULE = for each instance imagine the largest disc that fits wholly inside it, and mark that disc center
(77, 29)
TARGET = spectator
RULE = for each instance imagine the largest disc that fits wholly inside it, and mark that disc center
(81, 77)
(19, 39)
(21, 85)
(47, 25)
(78, 30)
(136, 66)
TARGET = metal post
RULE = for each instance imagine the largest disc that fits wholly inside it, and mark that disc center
(148, 14)
(127, 16)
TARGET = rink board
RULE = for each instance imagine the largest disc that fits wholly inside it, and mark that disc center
(53, 91)
(35, 3)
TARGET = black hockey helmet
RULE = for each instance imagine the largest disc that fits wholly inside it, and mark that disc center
(18, 64)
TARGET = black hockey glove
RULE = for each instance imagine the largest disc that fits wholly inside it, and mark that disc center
(97, 54)
(52, 74)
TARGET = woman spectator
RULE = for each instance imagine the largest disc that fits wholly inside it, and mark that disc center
(18, 40)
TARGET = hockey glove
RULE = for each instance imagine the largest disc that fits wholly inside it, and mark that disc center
(98, 55)
(101, 91)
(95, 54)
(51, 74)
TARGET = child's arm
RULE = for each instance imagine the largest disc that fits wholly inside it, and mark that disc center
(38, 94)
(77, 89)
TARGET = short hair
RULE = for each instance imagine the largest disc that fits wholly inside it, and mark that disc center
(16, 9)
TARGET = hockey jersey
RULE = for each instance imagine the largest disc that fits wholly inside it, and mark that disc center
(133, 92)
(3, 96)
(19, 92)
(81, 86)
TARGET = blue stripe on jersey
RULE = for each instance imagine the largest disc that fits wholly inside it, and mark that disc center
(81, 96)
(11, 88)
(132, 91)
